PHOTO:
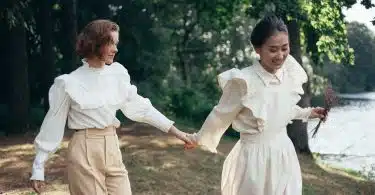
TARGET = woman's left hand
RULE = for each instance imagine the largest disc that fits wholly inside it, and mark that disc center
(318, 112)
(181, 135)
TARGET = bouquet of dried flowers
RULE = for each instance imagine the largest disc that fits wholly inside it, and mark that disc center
(330, 100)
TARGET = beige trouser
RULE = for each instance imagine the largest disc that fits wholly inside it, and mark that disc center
(95, 164)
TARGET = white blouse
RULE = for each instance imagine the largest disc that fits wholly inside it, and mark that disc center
(89, 98)
(248, 102)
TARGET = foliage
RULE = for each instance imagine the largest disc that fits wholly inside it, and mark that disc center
(327, 32)
(323, 26)
(360, 77)
(168, 42)
(170, 47)
(10, 11)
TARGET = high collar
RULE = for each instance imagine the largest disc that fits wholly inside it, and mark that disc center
(87, 67)
(267, 77)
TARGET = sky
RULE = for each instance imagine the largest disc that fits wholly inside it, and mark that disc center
(360, 14)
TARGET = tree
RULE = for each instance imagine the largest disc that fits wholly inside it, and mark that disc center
(45, 26)
(357, 78)
(185, 22)
(362, 40)
(18, 99)
(69, 30)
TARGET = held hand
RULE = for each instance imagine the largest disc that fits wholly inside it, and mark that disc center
(38, 186)
(181, 135)
(184, 137)
(318, 112)
(193, 145)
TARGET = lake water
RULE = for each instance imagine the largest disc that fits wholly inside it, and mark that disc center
(347, 139)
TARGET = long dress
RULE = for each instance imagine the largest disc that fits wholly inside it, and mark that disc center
(259, 105)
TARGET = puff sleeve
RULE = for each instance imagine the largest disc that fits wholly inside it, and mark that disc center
(223, 114)
(52, 128)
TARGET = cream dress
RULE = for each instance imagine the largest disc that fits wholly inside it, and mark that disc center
(259, 105)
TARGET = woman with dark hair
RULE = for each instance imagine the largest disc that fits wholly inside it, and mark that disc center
(259, 101)
(87, 99)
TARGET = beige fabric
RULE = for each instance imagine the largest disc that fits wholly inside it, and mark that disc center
(95, 164)
(259, 106)
(89, 98)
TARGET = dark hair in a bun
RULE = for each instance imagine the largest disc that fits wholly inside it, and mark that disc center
(265, 28)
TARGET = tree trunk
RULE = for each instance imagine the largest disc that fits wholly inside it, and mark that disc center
(101, 9)
(298, 130)
(19, 86)
(69, 23)
(4, 74)
(47, 55)
(185, 68)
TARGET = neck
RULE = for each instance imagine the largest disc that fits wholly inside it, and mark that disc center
(270, 70)
(95, 62)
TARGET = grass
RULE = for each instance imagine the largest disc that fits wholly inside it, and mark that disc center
(157, 164)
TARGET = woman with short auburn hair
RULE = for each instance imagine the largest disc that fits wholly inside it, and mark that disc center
(87, 99)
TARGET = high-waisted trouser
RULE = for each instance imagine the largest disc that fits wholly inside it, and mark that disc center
(95, 164)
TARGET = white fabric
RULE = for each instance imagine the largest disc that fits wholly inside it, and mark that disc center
(259, 105)
(89, 98)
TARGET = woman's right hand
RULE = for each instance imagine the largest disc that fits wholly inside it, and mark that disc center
(38, 186)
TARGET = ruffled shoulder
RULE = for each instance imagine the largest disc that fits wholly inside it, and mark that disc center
(296, 73)
(80, 94)
(121, 73)
(247, 80)
(233, 75)
(256, 97)
(64, 81)
(76, 91)
(117, 68)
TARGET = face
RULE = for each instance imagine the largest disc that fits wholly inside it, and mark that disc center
(109, 50)
(274, 51)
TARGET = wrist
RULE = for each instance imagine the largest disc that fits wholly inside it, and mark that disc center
(307, 113)
(38, 165)
(172, 130)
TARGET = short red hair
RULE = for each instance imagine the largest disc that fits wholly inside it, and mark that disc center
(93, 36)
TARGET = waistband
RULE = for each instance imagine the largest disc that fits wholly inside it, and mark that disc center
(263, 137)
(110, 130)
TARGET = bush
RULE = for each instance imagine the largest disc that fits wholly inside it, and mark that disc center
(190, 104)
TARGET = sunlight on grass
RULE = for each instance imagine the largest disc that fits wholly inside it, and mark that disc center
(7, 160)
(53, 189)
(309, 176)
(124, 143)
(174, 141)
(133, 146)
(158, 164)
(151, 168)
(168, 165)
(159, 143)
(343, 172)
(17, 148)
(20, 164)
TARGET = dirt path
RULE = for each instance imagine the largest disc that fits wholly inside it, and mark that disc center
(157, 164)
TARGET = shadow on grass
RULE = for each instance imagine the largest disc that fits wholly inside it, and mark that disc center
(157, 164)
(320, 179)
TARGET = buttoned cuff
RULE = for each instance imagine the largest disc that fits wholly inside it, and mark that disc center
(38, 165)
(305, 114)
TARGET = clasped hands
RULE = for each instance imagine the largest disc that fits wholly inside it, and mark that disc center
(189, 139)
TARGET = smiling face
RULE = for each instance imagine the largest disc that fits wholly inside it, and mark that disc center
(109, 50)
(274, 51)
(98, 41)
